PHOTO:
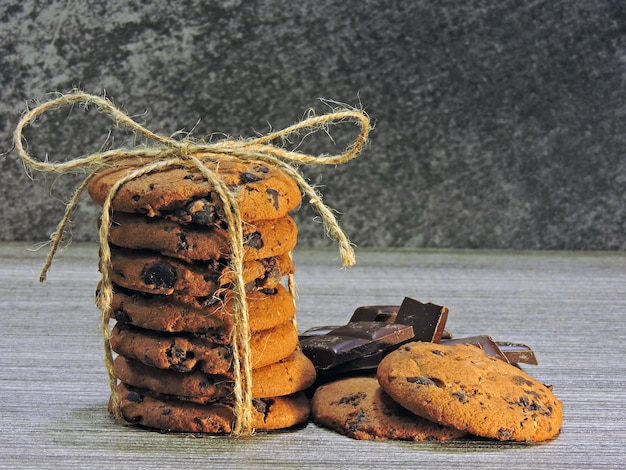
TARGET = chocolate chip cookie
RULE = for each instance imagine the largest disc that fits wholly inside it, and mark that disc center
(166, 413)
(292, 374)
(262, 239)
(359, 408)
(146, 271)
(460, 386)
(184, 353)
(183, 195)
(267, 308)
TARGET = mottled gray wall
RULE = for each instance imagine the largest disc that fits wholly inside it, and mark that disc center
(498, 123)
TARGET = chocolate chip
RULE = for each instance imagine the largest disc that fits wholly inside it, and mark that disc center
(504, 435)
(353, 399)
(253, 240)
(183, 245)
(358, 419)
(249, 178)
(462, 397)
(275, 197)
(260, 405)
(135, 397)
(133, 420)
(518, 379)
(160, 276)
(122, 316)
(200, 211)
(420, 381)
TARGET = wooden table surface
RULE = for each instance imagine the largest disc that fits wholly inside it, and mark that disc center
(569, 307)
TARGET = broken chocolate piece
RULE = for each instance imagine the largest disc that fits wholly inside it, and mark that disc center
(317, 331)
(341, 350)
(484, 342)
(353, 341)
(389, 314)
(517, 353)
(428, 320)
(381, 313)
(513, 353)
(366, 364)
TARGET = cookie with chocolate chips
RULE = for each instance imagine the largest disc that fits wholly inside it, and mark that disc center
(183, 195)
(261, 239)
(462, 387)
(359, 408)
(187, 352)
(267, 308)
(292, 374)
(149, 272)
(167, 413)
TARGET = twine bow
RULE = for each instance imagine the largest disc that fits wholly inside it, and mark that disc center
(168, 152)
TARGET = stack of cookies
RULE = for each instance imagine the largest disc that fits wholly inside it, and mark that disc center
(173, 299)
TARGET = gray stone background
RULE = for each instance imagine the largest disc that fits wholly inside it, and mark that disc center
(498, 124)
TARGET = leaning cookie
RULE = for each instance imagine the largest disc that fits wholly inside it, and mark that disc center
(169, 414)
(462, 387)
(182, 194)
(358, 408)
(184, 353)
(261, 239)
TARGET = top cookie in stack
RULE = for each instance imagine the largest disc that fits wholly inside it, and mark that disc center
(172, 297)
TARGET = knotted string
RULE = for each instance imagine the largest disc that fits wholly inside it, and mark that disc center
(191, 153)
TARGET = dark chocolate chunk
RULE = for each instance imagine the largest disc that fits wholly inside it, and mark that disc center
(461, 396)
(381, 313)
(484, 342)
(260, 405)
(275, 197)
(430, 314)
(249, 178)
(160, 275)
(363, 365)
(317, 331)
(324, 343)
(135, 397)
(199, 211)
(421, 381)
(517, 353)
(428, 320)
(354, 399)
(352, 341)
(253, 240)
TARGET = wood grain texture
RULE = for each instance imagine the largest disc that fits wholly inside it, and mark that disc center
(568, 306)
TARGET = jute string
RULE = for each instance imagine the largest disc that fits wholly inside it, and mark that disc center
(168, 152)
